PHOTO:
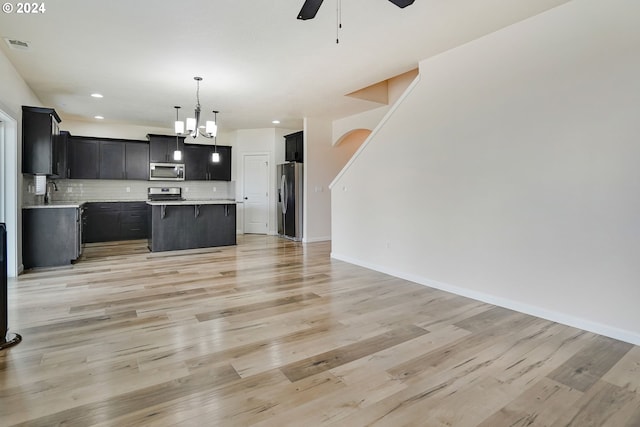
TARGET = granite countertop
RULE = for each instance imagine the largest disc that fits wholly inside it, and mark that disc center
(115, 201)
(193, 202)
(77, 204)
(51, 205)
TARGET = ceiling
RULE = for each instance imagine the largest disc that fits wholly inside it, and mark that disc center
(258, 62)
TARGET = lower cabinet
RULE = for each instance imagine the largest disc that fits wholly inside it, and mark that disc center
(133, 220)
(111, 221)
(50, 236)
(101, 222)
(175, 227)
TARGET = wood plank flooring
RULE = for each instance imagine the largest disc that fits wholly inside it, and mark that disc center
(275, 333)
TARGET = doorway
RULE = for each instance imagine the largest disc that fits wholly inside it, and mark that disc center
(9, 188)
(256, 186)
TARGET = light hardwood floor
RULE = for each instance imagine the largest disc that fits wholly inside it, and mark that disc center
(275, 333)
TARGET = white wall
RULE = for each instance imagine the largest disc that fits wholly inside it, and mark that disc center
(125, 131)
(111, 130)
(318, 173)
(509, 174)
(322, 163)
(14, 93)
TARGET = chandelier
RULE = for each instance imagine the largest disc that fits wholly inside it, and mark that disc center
(193, 127)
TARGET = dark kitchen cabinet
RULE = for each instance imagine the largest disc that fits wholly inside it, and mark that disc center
(40, 146)
(199, 167)
(133, 221)
(102, 222)
(50, 236)
(294, 147)
(196, 162)
(104, 158)
(221, 171)
(112, 221)
(161, 148)
(137, 160)
(111, 159)
(83, 160)
(60, 152)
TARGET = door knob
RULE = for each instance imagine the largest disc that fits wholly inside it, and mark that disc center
(246, 198)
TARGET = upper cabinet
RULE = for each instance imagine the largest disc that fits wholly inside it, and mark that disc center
(102, 158)
(221, 171)
(111, 159)
(136, 160)
(161, 148)
(83, 161)
(40, 145)
(61, 144)
(294, 147)
(198, 164)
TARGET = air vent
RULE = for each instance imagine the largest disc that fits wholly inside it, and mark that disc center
(17, 44)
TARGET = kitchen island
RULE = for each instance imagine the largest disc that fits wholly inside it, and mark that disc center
(190, 224)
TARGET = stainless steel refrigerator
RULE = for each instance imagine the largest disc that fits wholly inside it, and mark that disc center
(290, 200)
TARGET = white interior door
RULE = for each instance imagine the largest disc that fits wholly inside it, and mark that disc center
(256, 193)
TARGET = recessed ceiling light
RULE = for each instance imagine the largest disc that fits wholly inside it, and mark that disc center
(276, 122)
(96, 95)
(98, 117)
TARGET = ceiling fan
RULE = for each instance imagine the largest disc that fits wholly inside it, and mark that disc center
(310, 7)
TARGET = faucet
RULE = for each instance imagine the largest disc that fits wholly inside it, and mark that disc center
(47, 195)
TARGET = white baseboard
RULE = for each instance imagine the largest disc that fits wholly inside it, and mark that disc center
(316, 239)
(554, 316)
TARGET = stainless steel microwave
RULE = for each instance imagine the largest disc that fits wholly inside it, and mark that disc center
(166, 171)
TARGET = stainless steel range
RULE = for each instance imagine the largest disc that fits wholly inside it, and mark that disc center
(162, 194)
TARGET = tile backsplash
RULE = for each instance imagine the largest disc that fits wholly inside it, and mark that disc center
(87, 190)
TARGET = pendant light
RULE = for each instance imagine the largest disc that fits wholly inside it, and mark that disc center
(177, 154)
(193, 123)
(215, 156)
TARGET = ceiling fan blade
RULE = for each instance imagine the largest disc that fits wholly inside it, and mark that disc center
(309, 9)
(402, 3)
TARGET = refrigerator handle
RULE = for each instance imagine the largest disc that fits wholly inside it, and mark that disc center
(282, 196)
(283, 186)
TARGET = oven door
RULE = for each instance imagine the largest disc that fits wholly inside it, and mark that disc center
(166, 172)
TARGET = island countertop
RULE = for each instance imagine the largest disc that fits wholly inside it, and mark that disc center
(192, 202)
